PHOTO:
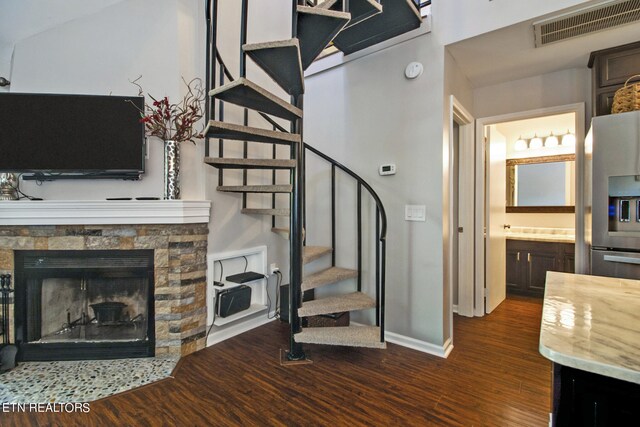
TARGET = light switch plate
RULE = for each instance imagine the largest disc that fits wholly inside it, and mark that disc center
(415, 213)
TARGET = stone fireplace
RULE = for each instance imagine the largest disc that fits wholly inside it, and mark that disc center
(173, 233)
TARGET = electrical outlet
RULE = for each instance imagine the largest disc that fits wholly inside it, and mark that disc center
(273, 268)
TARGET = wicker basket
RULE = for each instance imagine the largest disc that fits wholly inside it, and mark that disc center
(627, 98)
(328, 320)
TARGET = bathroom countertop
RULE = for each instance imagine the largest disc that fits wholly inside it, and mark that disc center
(592, 323)
(541, 234)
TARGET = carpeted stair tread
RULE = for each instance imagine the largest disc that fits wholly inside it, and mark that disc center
(281, 61)
(312, 253)
(360, 10)
(316, 28)
(245, 93)
(227, 163)
(275, 212)
(352, 336)
(336, 304)
(216, 129)
(255, 188)
(327, 277)
(284, 232)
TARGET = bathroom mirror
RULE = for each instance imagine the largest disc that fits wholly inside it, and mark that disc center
(541, 184)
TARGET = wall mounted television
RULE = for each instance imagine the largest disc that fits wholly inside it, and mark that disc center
(57, 136)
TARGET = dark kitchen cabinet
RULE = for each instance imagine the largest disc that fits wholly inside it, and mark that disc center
(610, 69)
(583, 398)
(527, 264)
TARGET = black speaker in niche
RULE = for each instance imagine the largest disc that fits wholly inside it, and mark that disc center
(232, 301)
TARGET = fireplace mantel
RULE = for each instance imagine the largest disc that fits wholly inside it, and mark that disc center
(98, 212)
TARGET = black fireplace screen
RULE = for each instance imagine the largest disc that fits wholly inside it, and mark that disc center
(84, 304)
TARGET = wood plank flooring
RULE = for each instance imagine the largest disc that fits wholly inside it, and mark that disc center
(494, 377)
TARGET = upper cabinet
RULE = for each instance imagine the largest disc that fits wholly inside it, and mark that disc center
(610, 69)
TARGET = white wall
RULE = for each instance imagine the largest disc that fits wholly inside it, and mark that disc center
(24, 18)
(5, 63)
(461, 19)
(541, 91)
(99, 54)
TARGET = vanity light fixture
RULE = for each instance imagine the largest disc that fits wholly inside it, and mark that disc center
(569, 140)
(551, 141)
(535, 143)
(520, 144)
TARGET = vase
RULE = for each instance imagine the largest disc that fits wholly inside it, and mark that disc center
(8, 186)
(171, 170)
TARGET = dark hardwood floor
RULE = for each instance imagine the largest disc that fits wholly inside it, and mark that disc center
(494, 377)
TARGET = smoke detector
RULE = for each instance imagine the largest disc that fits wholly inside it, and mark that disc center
(602, 16)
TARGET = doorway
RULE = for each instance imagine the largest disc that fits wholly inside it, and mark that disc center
(461, 211)
(530, 180)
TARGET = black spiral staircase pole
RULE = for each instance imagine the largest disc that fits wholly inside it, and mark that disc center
(211, 14)
(296, 352)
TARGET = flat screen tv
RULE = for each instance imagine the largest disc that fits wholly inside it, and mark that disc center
(52, 136)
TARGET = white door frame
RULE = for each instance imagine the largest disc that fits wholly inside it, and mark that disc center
(581, 253)
(466, 152)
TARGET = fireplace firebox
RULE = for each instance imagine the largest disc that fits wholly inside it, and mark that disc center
(76, 305)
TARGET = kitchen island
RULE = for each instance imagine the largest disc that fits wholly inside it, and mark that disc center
(591, 332)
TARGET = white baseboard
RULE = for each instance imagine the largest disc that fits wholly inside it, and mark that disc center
(455, 308)
(232, 330)
(423, 346)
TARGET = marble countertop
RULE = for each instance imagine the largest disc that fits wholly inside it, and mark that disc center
(592, 323)
(541, 234)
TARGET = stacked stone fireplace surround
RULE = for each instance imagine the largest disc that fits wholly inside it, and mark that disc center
(180, 254)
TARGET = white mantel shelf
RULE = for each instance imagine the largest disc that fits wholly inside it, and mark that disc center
(102, 212)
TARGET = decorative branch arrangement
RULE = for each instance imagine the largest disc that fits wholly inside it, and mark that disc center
(176, 122)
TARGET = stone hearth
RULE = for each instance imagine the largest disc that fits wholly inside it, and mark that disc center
(180, 251)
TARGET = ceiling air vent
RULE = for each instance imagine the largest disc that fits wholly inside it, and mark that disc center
(604, 15)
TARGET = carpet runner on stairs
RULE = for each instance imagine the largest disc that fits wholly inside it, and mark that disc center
(312, 253)
(327, 277)
(337, 304)
(352, 336)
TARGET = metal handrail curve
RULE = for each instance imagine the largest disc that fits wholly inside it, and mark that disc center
(360, 180)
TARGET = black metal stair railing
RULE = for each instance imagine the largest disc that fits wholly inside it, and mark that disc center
(215, 62)
(380, 232)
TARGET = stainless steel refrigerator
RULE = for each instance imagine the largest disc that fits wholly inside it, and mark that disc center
(615, 197)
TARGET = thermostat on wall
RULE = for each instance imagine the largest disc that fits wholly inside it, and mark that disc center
(389, 169)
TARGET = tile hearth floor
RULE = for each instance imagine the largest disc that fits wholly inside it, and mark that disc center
(81, 381)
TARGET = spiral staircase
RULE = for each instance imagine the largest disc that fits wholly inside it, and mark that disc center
(314, 27)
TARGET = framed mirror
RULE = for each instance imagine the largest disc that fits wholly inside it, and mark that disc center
(541, 184)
